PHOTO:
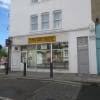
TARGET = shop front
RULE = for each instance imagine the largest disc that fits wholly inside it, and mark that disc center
(43, 50)
(69, 53)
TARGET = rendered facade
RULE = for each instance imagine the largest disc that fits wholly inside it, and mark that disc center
(57, 31)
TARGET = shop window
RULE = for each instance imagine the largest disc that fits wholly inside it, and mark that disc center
(28, 47)
(43, 46)
(39, 56)
(57, 56)
(44, 56)
(23, 57)
(43, 53)
(31, 59)
(60, 55)
(31, 47)
(38, 47)
(60, 45)
(23, 48)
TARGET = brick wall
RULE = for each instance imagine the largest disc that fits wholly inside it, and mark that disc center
(95, 9)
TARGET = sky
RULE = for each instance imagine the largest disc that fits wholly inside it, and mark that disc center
(4, 20)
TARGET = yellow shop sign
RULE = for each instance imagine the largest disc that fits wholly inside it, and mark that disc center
(46, 39)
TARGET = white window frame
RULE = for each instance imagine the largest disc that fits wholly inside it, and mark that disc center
(45, 21)
(35, 24)
(57, 20)
(35, 1)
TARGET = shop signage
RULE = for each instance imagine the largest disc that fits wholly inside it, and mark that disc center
(45, 39)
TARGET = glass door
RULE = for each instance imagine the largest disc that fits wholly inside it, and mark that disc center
(31, 61)
(24, 57)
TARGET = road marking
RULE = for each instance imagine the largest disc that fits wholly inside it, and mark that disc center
(5, 98)
(37, 90)
(57, 81)
(69, 83)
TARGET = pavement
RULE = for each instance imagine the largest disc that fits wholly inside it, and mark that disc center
(56, 76)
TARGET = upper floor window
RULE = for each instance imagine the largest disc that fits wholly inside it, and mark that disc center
(38, 1)
(57, 19)
(35, 1)
(45, 21)
(34, 22)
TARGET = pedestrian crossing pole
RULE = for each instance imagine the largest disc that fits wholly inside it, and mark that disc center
(6, 68)
(24, 73)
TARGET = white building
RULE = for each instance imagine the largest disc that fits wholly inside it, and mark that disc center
(58, 31)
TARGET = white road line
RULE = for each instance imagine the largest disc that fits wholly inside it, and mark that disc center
(5, 98)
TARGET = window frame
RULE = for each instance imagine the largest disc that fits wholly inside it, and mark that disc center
(34, 23)
(34, 1)
(45, 21)
(56, 20)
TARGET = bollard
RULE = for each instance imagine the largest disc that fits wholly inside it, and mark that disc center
(51, 70)
(6, 68)
(24, 72)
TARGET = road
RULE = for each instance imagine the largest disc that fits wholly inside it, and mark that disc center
(26, 89)
(19, 89)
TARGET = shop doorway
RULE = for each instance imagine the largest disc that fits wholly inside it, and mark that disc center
(31, 59)
(24, 57)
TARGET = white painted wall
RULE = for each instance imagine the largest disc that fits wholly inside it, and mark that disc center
(75, 14)
(92, 54)
(16, 64)
(73, 50)
(71, 37)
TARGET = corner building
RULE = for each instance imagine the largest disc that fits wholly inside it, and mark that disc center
(57, 31)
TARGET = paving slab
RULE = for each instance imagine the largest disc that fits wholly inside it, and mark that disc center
(56, 76)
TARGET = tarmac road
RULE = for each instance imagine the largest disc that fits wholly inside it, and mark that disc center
(19, 89)
(32, 89)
